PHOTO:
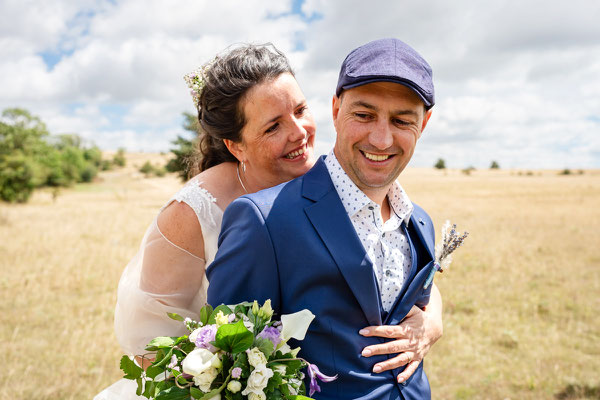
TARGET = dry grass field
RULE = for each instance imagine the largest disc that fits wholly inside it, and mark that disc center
(521, 299)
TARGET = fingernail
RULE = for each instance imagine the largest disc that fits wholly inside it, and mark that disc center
(377, 368)
(366, 353)
(400, 379)
(363, 332)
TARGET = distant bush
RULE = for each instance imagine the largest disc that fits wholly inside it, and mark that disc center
(119, 158)
(494, 165)
(148, 170)
(30, 157)
(565, 171)
(468, 170)
(440, 164)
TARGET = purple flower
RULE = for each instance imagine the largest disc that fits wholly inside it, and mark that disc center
(205, 336)
(236, 373)
(272, 334)
(314, 373)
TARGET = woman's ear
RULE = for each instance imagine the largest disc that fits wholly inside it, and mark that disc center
(236, 148)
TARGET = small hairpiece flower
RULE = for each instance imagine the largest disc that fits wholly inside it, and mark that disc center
(196, 80)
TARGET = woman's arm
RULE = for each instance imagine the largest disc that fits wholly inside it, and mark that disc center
(414, 336)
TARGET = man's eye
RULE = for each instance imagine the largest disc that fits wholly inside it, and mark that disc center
(300, 111)
(401, 122)
(272, 128)
(361, 115)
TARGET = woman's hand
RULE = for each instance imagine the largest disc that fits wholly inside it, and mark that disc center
(414, 336)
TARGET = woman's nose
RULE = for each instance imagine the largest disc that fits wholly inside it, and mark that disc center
(298, 131)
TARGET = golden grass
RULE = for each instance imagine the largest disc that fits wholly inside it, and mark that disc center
(520, 299)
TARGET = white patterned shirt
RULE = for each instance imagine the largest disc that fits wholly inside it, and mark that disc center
(385, 243)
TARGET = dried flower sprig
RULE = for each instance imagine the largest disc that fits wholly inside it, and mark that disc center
(450, 241)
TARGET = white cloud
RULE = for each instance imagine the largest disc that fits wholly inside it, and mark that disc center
(515, 81)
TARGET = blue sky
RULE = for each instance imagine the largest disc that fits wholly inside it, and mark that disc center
(516, 81)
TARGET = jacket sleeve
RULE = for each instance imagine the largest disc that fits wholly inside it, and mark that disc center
(245, 267)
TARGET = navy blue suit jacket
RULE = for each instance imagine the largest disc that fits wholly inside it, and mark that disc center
(295, 244)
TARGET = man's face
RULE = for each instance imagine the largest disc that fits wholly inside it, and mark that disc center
(378, 125)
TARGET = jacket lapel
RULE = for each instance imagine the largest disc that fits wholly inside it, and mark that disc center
(416, 276)
(330, 220)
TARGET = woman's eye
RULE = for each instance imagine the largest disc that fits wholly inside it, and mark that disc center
(272, 128)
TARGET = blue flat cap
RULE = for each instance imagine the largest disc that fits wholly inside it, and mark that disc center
(387, 60)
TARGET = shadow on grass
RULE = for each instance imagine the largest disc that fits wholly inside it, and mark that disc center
(572, 392)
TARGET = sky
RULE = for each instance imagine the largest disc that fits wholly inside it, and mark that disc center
(517, 81)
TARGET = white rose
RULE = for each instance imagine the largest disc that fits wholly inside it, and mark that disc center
(295, 325)
(281, 369)
(257, 396)
(199, 360)
(258, 380)
(205, 379)
(256, 357)
(234, 386)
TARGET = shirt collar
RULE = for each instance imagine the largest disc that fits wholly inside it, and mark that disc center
(354, 199)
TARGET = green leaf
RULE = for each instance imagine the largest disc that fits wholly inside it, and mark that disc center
(161, 342)
(205, 313)
(153, 371)
(175, 316)
(264, 345)
(210, 394)
(140, 387)
(196, 393)
(234, 338)
(226, 310)
(299, 397)
(149, 389)
(174, 393)
(131, 369)
(164, 360)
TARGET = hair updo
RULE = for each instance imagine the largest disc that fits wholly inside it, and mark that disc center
(227, 79)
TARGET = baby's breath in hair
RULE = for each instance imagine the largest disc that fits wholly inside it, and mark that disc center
(196, 81)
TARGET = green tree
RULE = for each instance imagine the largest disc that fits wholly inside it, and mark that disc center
(440, 164)
(16, 178)
(494, 165)
(184, 148)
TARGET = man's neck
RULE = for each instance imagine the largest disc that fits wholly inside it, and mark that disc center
(380, 197)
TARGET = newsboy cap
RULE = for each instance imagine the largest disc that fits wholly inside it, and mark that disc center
(387, 60)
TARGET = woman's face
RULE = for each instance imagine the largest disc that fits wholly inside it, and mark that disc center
(278, 138)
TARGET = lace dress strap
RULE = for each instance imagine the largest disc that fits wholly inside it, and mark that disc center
(201, 201)
(208, 213)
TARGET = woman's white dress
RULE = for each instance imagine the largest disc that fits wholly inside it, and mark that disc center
(149, 288)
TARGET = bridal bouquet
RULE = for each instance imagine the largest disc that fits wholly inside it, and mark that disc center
(233, 353)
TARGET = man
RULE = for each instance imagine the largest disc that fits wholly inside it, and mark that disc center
(344, 240)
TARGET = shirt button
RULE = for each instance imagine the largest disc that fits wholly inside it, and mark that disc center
(388, 272)
(383, 234)
(371, 208)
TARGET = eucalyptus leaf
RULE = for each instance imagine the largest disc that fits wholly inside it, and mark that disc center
(161, 342)
(205, 313)
(234, 338)
(175, 316)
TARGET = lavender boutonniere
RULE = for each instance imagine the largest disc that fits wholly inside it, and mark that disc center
(450, 241)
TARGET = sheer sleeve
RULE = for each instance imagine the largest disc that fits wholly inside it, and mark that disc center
(160, 278)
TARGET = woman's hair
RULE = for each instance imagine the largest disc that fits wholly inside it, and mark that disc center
(227, 79)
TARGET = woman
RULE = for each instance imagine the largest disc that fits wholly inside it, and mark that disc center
(256, 132)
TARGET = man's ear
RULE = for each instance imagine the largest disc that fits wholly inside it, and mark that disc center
(336, 102)
(236, 148)
(426, 119)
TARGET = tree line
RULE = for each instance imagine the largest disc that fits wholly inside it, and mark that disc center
(30, 157)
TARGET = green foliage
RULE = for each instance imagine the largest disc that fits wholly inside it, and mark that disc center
(565, 171)
(119, 158)
(184, 148)
(234, 338)
(16, 178)
(30, 157)
(148, 170)
(494, 165)
(440, 164)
